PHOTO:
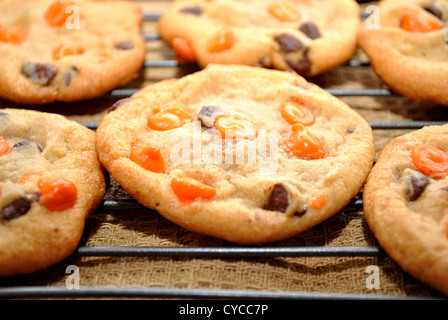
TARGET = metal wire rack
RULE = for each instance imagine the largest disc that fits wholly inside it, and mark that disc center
(217, 252)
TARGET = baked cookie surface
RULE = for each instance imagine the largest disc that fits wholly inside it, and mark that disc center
(406, 203)
(408, 50)
(53, 56)
(309, 37)
(241, 153)
(50, 181)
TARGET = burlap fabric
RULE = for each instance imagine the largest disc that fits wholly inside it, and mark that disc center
(345, 275)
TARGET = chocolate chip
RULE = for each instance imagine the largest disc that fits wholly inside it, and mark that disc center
(289, 43)
(193, 10)
(35, 196)
(351, 130)
(208, 115)
(126, 45)
(118, 104)
(69, 74)
(264, 62)
(310, 30)
(16, 209)
(40, 73)
(417, 184)
(278, 200)
(434, 9)
(302, 67)
(302, 212)
(27, 143)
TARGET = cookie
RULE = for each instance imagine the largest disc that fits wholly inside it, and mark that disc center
(50, 181)
(244, 154)
(308, 37)
(406, 203)
(67, 50)
(407, 48)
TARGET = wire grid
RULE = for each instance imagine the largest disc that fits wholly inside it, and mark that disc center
(216, 252)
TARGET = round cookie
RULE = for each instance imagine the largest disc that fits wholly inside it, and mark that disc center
(50, 181)
(406, 203)
(57, 56)
(408, 48)
(309, 37)
(241, 153)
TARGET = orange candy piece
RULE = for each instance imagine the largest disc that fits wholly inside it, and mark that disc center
(62, 51)
(169, 118)
(221, 41)
(12, 34)
(429, 160)
(4, 146)
(293, 111)
(57, 194)
(284, 11)
(184, 50)
(189, 189)
(149, 158)
(56, 14)
(235, 128)
(411, 22)
(25, 179)
(303, 144)
(319, 202)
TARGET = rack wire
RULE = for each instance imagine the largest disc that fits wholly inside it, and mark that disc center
(219, 252)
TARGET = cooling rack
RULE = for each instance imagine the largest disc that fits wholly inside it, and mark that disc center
(217, 252)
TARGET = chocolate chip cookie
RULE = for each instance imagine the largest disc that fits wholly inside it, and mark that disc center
(64, 50)
(50, 181)
(406, 203)
(309, 37)
(241, 153)
(407, 48)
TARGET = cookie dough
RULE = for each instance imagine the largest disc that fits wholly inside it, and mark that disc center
(406, 203)
(59, 50)
(241, 153)
(50, 181)
(308, 37)
(408, 48)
